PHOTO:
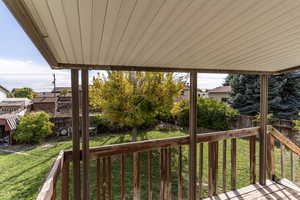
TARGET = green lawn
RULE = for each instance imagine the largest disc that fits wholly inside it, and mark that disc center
(21, 175)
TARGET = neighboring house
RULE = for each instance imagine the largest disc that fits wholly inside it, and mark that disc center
(3, 93)
(61, 90)
(185, 93)
(221, 93)
(45, 94)
(11, 109)
(47, 104)
(9, 105)
(64, 102)
(8, 125)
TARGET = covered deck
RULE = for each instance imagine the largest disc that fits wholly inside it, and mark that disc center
(254, 37)
(271, 191)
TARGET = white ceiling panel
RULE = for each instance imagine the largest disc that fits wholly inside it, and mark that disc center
(228, 35)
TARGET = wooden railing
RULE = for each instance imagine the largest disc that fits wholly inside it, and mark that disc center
(169, 155)
(285, 145)
(48, 190)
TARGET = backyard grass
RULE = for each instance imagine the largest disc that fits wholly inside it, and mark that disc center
(22, 174)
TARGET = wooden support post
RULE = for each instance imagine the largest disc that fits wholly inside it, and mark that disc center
(192, 132)
(85, 133)
(75, 134)
(263, 128)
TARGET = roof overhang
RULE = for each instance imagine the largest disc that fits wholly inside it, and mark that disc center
(228, 36)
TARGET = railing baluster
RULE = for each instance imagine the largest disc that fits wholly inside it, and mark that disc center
(292, 166)
(233, 164)
(168, 168)
(213, 168)
(282, 161)
(216, 159)
(165, 174)
(270, 157)
(224, 165)
(200, 170)
(252, 141)
(65, 180)
(104, 180)
(99, 181)
(210, 169)
(180, 179)
(109, 181)
(136, 176)
(54, 192)
(162, 174)
(149, 175)
(122, 172)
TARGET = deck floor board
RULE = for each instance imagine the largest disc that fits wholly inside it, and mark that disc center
(283, 189)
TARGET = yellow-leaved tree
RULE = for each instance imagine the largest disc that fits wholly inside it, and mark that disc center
(134, 98)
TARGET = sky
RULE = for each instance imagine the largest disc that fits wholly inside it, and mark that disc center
(21, 64)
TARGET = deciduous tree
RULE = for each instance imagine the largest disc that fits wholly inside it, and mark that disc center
(134, 99)
(33, 128)
(22, 93)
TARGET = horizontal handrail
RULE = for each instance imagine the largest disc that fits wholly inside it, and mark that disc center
(48, 189)
(146, 145)
(284, 140)
(61, 165)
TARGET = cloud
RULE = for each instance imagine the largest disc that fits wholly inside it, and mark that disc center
(209, 80)
(18, 73)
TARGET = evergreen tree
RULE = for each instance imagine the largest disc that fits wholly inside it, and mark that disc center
(284, 94)
(228, 79)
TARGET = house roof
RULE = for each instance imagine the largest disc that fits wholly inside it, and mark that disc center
(60, 89)
(4, 90)
(10, 121)
(259, 36)
(15, 102)
(221, 89)
(187, 88)
(44, 94)
(45, 100)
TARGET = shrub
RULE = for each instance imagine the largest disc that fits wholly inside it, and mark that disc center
(296, 123)
(256, 121)
(33, 128)
(103, 125)
(211, 114)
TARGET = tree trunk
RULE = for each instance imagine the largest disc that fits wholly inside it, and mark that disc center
(134, 134)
